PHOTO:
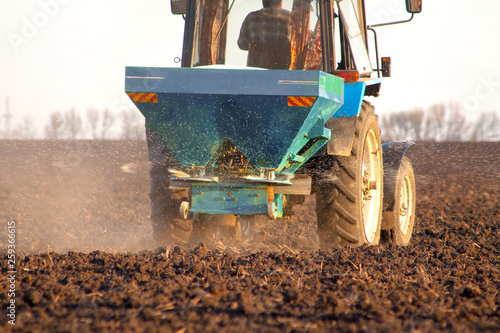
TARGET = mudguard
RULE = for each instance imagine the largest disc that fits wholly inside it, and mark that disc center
(393, 153)
(343, 130)
(343, 122)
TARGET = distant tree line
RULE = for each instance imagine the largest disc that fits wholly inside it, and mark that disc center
(70, 125)
(440, 122)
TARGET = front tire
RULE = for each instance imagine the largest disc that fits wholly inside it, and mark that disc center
(404, 205)
(349, 189)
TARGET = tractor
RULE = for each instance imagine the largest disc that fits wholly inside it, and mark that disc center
(267, 108)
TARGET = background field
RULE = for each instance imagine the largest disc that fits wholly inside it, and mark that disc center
(91, 198)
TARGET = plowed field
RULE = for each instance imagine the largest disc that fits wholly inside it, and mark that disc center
(86, 262)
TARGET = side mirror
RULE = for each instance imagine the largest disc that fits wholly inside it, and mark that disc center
(178, 6)
(412, 6)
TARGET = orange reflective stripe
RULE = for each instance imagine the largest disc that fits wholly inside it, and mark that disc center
(143, 97)
(300, 100)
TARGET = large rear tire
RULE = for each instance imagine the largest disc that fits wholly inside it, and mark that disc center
(168, 227)
(172, 231)
(349, 189)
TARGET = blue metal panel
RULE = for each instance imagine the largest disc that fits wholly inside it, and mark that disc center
(198, 109)
(353, 98)
(228, 199)
(217, 81)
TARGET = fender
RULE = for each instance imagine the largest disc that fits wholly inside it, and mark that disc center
(343, 122)
(393, 153)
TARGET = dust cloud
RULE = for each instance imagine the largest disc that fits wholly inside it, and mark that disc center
(76, 196)
(93, 195)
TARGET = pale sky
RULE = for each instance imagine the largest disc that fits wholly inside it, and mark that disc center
(59, 54)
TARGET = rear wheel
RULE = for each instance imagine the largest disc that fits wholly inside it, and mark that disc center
(349, 189)
(168, 226)
(172, 231)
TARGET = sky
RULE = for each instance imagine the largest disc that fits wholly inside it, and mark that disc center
(61, 54)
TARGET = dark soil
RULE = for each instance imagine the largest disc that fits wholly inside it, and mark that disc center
(86, 261)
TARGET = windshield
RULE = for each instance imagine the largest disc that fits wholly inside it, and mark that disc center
(255, 33)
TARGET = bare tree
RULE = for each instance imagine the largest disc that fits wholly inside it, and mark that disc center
(403, 125)
(398, 125)
(385, 128)
(434, 121)
(107, 121)
(93, 122)
(416, 122)
(15, 134)
(457, 126)
(487, 127)
(54, 129)
(72, 124)
(26, 129)
(438, 123)
(8, 118)
(132, 125)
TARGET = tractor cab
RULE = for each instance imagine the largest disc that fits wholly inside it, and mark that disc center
(304, 34)
(330, 36)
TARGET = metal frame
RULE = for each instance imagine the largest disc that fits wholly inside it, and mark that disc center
(189, 33)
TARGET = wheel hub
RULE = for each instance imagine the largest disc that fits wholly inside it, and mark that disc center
(368, 185)
(404, 205)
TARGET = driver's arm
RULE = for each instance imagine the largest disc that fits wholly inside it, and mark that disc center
(244, 39)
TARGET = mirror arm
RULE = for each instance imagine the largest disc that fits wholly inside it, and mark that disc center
(376, 47)
(390, 23)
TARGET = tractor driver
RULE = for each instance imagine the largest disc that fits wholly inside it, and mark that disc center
(266, 35)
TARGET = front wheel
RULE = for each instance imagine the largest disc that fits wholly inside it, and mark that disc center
(403, 214)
